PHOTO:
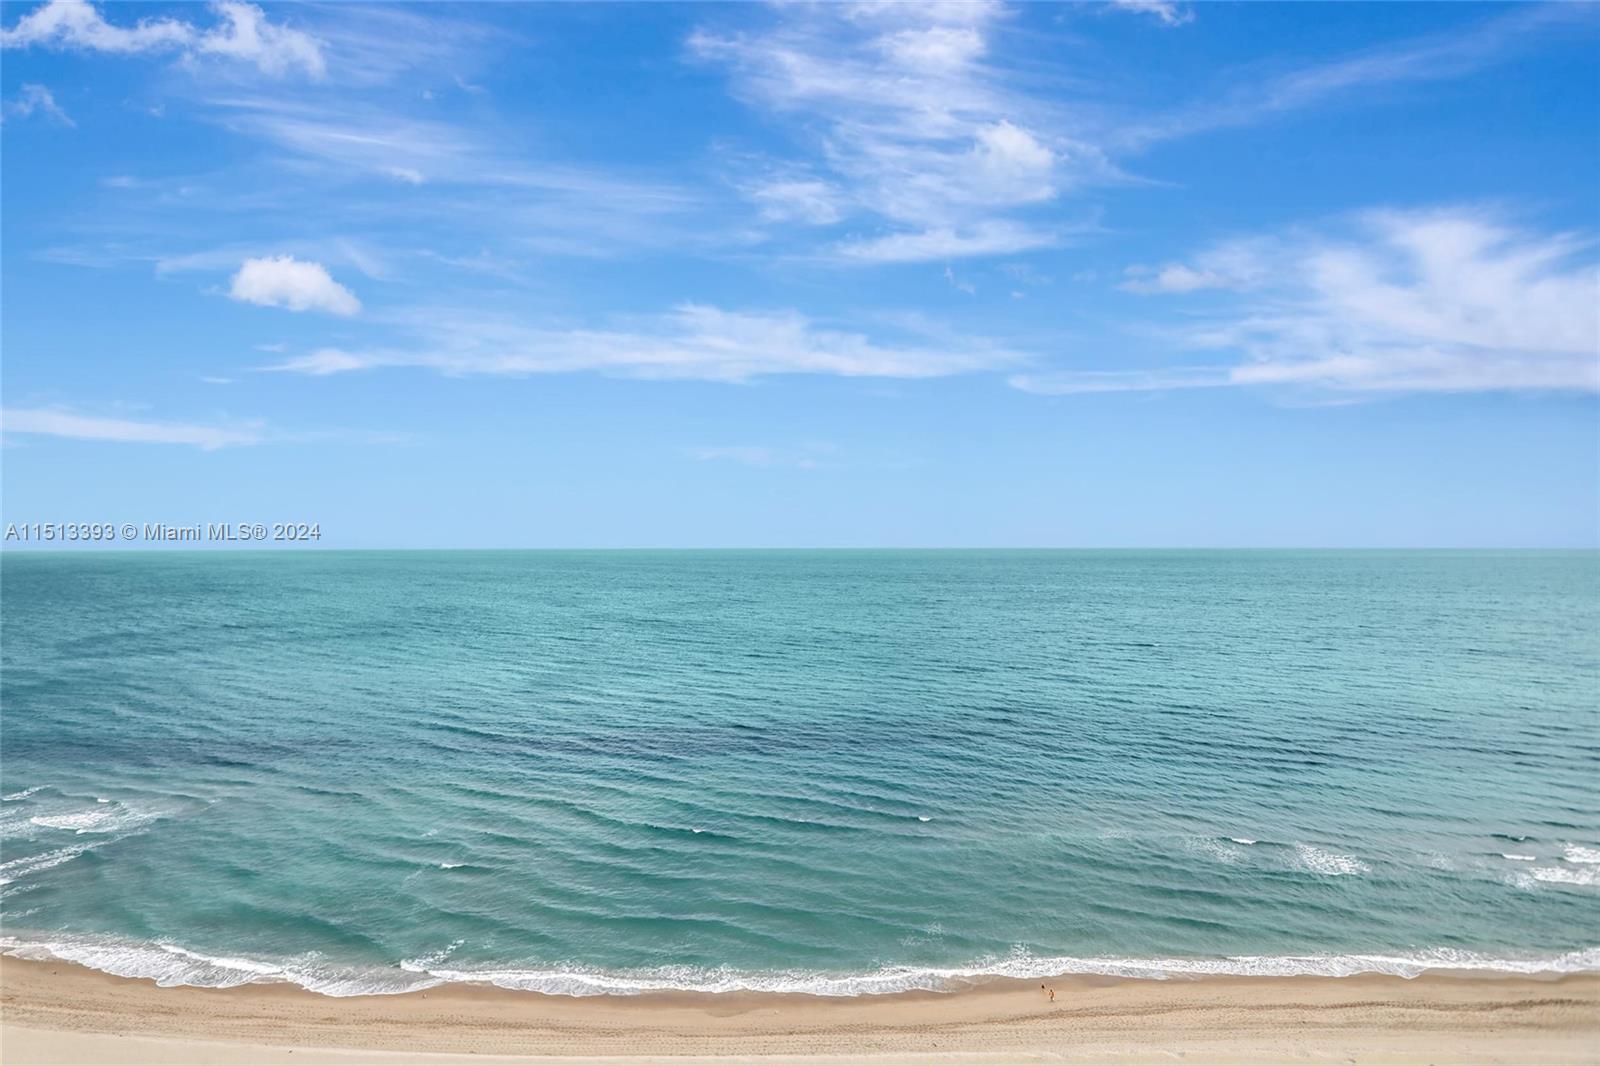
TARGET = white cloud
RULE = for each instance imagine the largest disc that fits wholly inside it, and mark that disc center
(57, 423)
(910, 124)
(1167, 12)
(959, 284)
(363, 258)
(535, 203)
(247, 35)
(1074, 382)
(1174, 277)
(1446, 300)
(425, 48)
(37, 98)
(815, 202)
(325, 361)
(996, 237)
(1432, 57)
(350, 137)
(241, 32)
(409, 175)
(284, 281)
(1011, 166)
(914, 121)
(691, 342)
(933, 48)
(76, 24)
(1231, 265)
(758, 455)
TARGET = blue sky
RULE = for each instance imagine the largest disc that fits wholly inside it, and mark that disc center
(1138, 274)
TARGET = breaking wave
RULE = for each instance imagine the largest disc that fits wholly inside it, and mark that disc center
(1329, 863)
(170, 965)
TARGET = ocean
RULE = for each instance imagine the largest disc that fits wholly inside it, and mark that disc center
(842, 772)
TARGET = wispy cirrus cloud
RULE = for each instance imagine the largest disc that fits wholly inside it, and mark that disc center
(764, 456)
(1431, 57)
(1447, 300)
(914, 131)
(1163, 11)
(350, 137)
(797, 198)
(916, 140)
(988, 238)
(70, 424)
(440, 173)
(55, 422)
(692, 342)
(37, 99)
(916, 134)
(1085, 382)
(240, 31)
(1228, 265)
(429, 47)
(332, 251)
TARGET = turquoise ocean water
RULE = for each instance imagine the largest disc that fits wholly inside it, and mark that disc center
(842, 772)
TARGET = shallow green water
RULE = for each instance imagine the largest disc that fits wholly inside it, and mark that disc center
(837, 771)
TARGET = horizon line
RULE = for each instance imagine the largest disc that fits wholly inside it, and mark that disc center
(297, 549)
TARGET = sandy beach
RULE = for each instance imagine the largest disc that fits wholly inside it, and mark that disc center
(57, 1013)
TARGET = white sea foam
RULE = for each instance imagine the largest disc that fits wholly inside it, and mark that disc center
(424, 963)
(16, 869)
(77, 821)
(923, 818)
(1543, 878)
(451, 865)
(1329, 863)
(583, 982)
(106, 816)
(14, 823)
(1580, 854)
(1242, 840)
(169, 965)
(1565, 875)
(1214, 849)
(24, 794)
(1519, 858)
(108, 820)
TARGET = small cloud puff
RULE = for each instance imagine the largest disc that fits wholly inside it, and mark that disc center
(1166, 12)
(284, 281)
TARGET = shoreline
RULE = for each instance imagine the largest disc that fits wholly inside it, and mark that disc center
(175, 966)
(59, 1012)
